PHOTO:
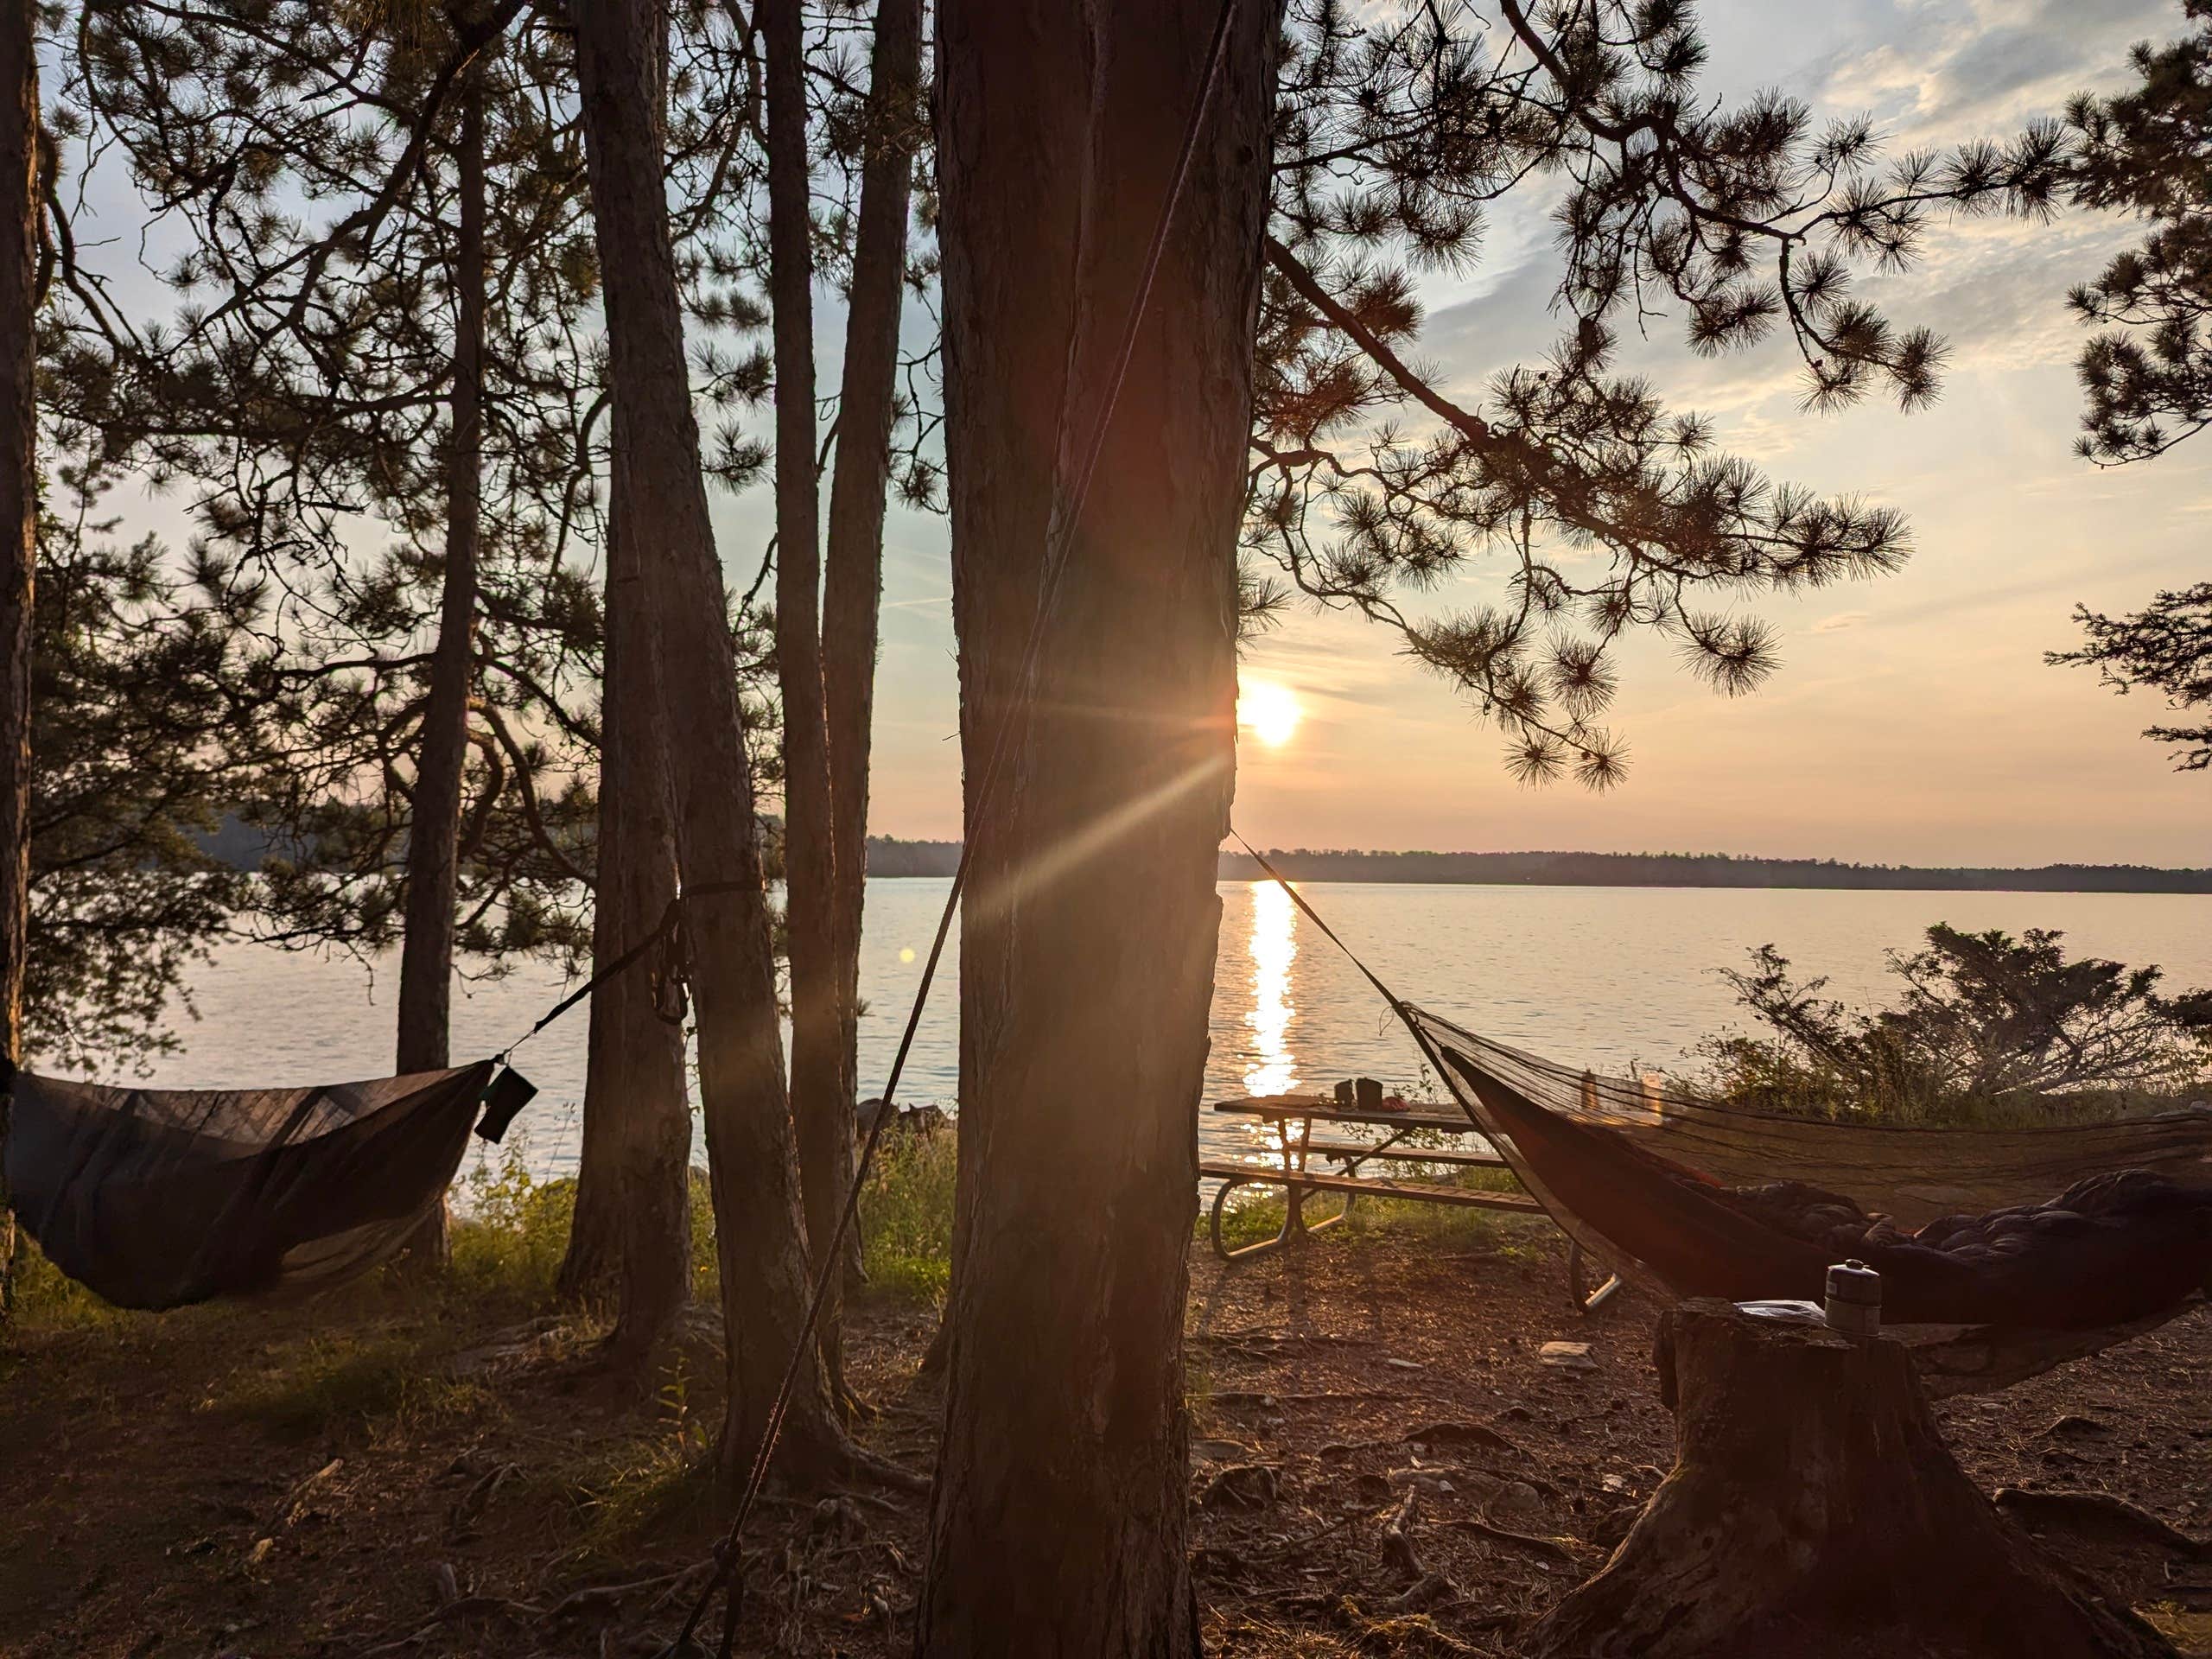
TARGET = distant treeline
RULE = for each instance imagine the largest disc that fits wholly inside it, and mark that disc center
(887, 856)
(244, 847)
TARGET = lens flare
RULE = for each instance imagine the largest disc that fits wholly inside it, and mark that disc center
(1269, 712)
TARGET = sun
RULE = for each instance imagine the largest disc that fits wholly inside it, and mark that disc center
(1271, 712)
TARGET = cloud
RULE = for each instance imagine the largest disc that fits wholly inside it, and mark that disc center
(1943, 73)
(1839, 622)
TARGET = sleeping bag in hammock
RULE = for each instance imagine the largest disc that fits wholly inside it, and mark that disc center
(2064, 1227)
(158, 1198)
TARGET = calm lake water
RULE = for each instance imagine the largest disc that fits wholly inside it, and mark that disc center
(1602, 976)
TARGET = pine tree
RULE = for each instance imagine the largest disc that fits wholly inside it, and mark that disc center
(822, 1112)
(139, 744)
(1059, 1517)
(386, 273)
(888, 131)
(2165, 648)
(2147, 380)
(760, 1236)
(860, 148)
(380, 363)
(1612, 513)
(19, 244)
(1378, 139)
(632, 1210)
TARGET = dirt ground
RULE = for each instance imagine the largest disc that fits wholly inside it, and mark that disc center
(366, 1477)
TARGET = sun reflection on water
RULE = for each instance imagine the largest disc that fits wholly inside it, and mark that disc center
(1271, 1068)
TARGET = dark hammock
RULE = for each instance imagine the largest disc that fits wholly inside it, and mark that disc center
(158, 1198)
(1642, 1175)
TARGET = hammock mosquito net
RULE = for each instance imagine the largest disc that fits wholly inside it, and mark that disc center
(157, 1198)
(2077, 1226)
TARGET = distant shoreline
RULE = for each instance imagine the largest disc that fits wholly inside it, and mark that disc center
(889, 856)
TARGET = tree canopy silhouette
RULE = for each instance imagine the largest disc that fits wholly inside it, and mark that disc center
(2146, 380)
(1370, 479)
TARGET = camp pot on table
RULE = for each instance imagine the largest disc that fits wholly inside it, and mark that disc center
(1854, 1302)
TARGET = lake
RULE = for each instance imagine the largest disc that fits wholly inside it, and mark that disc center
(1608, 978)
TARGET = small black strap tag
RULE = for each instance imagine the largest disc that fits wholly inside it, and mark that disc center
(510, 1092)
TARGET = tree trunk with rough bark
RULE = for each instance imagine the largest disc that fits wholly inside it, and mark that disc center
(822, 1107)
(1058, 1520)
(18, 540)
(759, 1240)
(853, 581)
(441, 754)
(1813, 1509)
(632, 1227)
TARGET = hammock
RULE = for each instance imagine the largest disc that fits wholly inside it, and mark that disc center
(1683, 1193)
(158, 1198)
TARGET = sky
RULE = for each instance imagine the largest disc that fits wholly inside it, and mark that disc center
(1913, 720)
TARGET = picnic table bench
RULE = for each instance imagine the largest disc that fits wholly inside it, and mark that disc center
(1299, 1178)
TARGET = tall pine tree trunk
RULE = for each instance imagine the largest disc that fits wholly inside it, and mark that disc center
(1059, 1520)
(753, 1160)
(820, 1108)
(433, 818)
(852, 582)
(18, 540)
(631, 1227)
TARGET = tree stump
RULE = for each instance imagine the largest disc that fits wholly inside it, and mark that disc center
(1813, 1509)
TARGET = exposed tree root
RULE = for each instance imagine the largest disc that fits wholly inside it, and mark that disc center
(2099, 1514)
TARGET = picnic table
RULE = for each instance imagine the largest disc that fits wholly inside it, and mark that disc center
(1301, 1179)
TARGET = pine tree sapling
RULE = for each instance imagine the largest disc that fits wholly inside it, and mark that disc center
(1986, 1023)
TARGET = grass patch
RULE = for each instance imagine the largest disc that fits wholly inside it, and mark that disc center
(1446, 1224)
(660, 1480)
(906, 1216)
(1256, 1214)
(512, 1229)
(645, 1488)
(706, 1266)
(1251, 1217)
(47, 1299)
(335, 1384)
(1443, 1224)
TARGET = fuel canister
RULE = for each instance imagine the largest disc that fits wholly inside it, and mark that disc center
(1854, 1301)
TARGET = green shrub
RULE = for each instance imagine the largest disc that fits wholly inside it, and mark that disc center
(906, 1215)
(511, 1230)
(47, 1299)
(706, 1266)
(1987, 1030)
